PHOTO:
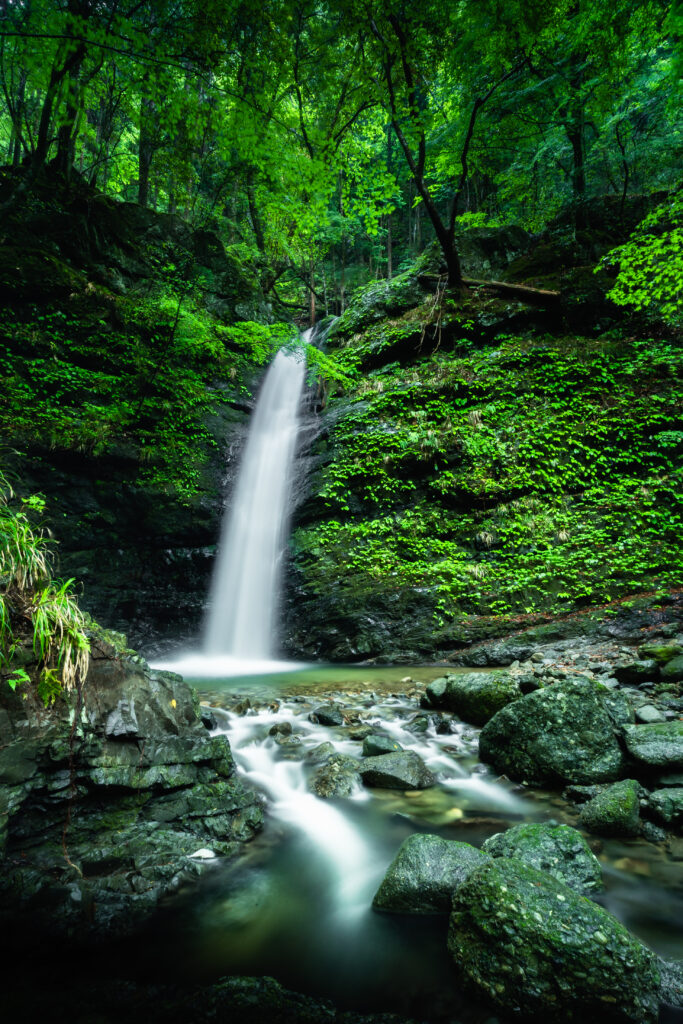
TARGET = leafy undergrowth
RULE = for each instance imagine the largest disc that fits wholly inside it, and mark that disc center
(542, 474)
(86, 369)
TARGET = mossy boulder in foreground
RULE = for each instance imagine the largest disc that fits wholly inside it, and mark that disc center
(558, 849)
(474, 696)
(540, 952)
(424, 874)
(563, 733)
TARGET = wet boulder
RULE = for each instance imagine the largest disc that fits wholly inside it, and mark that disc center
(540, 951)
(615, 811)
(404, 770)
(424, 874)
(563, 733)
(632, 673)
(338, 776)
(473, 696)
(559, 850)
(377, 744)
(659, 745)
(666, 805)
(329, 715)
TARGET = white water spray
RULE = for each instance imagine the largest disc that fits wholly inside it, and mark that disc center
(244, 589)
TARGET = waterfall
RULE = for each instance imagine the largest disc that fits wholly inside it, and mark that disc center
(244, 589)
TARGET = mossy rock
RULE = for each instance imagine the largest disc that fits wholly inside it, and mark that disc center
(425, 873)
(661, 652)
(558, 849)
(562, 733)
(475, 696)
(658, 745)
(615, 811)
(541, 952)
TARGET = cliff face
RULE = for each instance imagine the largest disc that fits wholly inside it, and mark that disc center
(106, 797)
(489, 464)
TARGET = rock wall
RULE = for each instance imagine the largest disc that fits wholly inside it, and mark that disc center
(107, 798)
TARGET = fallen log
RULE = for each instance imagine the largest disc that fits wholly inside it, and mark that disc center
(522, 292)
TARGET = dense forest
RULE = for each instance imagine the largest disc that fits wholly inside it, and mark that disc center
(460, 225)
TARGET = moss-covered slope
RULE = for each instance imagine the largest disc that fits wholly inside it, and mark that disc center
(487, 465)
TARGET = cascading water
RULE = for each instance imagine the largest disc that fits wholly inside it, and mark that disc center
(243, 597)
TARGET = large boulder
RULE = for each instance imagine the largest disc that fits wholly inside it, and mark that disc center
(558, 849)
(659, 745)
(473, 696)
(672, 671)
(563, 733)
(541, 952)
(404, 770)
(615, 811)
(424, 874)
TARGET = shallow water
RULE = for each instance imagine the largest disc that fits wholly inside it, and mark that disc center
(297, 904)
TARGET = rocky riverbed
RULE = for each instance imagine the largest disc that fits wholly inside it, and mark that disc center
(516, 827)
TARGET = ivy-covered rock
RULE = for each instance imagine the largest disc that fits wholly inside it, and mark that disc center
(559, 850)
(424, 874)
(541, 952)
(659, 745)
(562, 733)
(404, 770)
(474, 696)
(615, 811)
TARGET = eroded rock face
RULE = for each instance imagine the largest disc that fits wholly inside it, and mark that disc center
(562, 733)
(559, 850)
(142, 783)
(543, 953)
(425, 873)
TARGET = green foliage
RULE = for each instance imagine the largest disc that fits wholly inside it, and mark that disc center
(34, 609)
(650, 264)
(544, 474)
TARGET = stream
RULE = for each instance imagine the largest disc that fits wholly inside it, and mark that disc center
(297, 903)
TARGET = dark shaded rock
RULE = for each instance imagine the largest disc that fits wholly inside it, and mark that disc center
(280, 729)
(671, 973)
(405, 770)
(424, 874)
(208, 718)
(615, 811)
(557, 849)
(327, 715)
(538, 950)
(473, 696)
(376, 744)
(563, 733)
(338, 776)
(667, 805)
(635, 672)
(659, 745)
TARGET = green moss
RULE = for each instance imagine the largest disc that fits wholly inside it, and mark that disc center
(542, 475)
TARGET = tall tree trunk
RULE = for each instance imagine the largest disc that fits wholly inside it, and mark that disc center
(145, 144)
(312, 291)
(259, 235)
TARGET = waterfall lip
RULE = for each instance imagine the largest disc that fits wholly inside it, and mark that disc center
(224, 666)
